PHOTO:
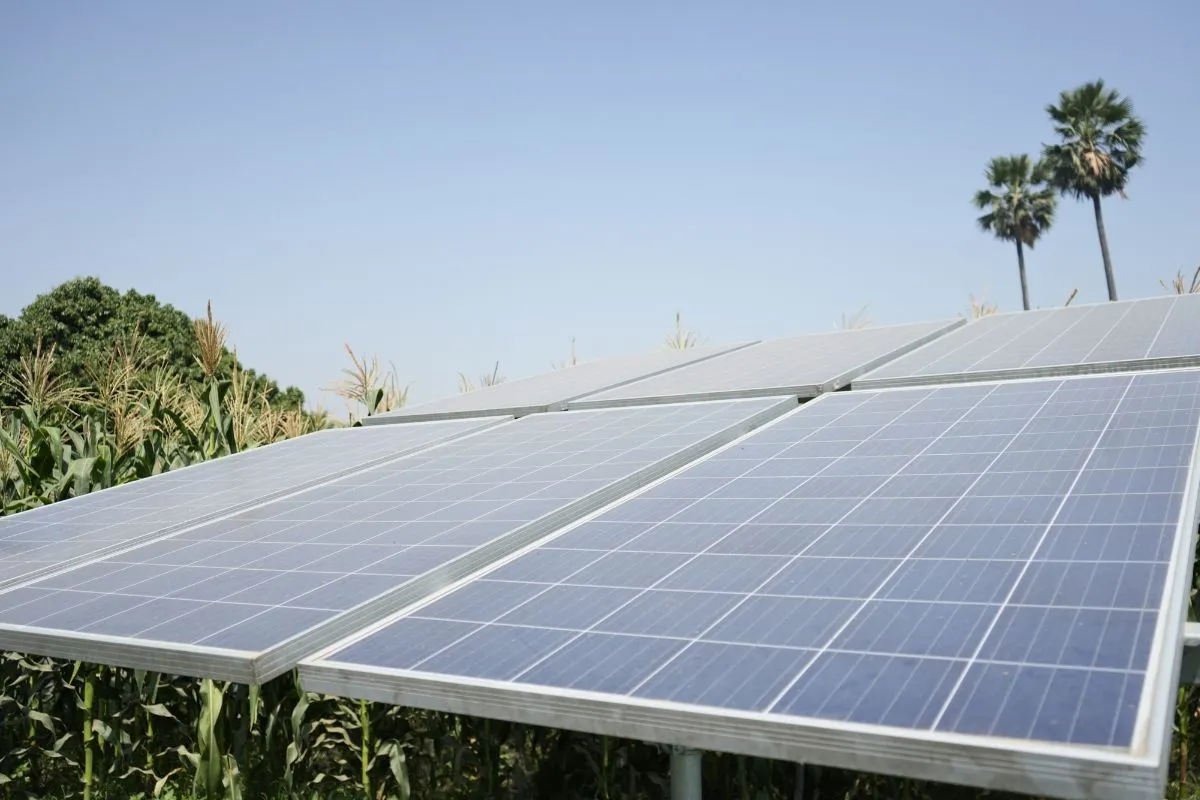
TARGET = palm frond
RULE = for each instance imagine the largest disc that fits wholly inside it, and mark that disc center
(1100, 141)
(1018, 203)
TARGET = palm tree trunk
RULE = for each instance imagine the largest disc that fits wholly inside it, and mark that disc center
(1021, 269)
(1108, 269)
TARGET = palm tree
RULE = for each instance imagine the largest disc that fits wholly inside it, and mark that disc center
(1019, 207)
(1100, 143)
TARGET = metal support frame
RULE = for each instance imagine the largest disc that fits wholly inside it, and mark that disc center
(685, 774)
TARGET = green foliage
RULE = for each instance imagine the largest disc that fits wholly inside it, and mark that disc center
(1018, 204)
(83, 318)
(1018, 207)
(1100, 141)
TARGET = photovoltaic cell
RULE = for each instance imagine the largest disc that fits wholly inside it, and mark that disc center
(55, 536)
(804, 365)
(233, 597)
(1158, 333)
(551, 391)
(957, 565)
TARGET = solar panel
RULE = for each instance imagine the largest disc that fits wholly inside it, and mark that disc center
(1158, 333)
(804, 365)
(980, 584)
(552, 390)
(243, 598)
(51, 537)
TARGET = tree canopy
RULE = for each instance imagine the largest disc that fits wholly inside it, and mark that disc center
(1018, 206)
(83, 319)
(1100, 142)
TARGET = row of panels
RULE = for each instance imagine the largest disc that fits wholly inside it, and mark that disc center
(1111, 337)
(888, 578)
(994, 571)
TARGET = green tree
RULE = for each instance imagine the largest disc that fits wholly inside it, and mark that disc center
(1018, 206)
(82, 319)
(1100, 142)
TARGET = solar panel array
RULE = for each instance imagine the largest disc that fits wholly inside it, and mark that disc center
(907, 579)
(232, 598)
(981, 579)
(53, 536)
(552, 390)
(804, 365)
(1156, 333)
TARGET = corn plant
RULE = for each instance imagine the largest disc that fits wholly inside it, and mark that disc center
(571, 361)
(1179, 284)
(856, 321)
(681, 339)
(367, 387)
(977, 309)
(492, 378)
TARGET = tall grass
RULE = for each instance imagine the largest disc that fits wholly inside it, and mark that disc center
(1180, 285)
(977, 309)
(681, 338)
(856, 321)
(367, 388)
(493, 378)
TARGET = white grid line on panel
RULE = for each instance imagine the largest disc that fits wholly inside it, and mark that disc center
(1013, 590)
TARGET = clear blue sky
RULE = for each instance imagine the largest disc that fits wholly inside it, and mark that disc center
(448, 184)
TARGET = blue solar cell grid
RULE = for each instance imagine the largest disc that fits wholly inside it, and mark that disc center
(977, 559)
(253, 580)
(54, 536)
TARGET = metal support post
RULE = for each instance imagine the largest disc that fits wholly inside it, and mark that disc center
(1189, 672)
(685, 774)
(806, 782)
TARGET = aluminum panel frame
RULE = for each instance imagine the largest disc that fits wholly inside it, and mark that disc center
(1030, 373)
